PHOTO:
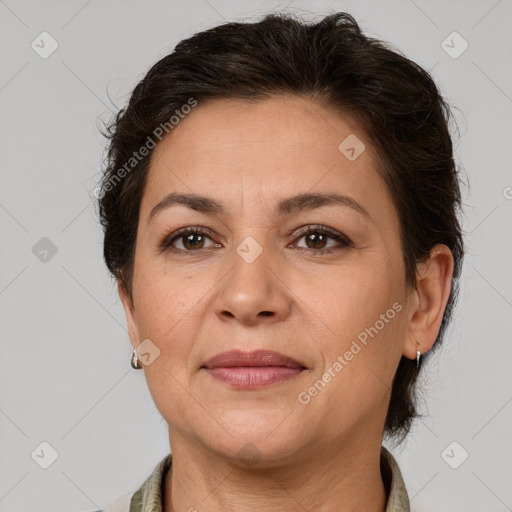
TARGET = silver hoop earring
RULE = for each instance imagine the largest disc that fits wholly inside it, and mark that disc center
(418, 355)
(135, 361)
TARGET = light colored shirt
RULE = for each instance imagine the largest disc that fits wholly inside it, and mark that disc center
(149, 497)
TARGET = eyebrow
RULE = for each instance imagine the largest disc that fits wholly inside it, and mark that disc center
(301, 202)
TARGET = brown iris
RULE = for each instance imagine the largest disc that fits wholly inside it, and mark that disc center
(188, 239)
(318, 240)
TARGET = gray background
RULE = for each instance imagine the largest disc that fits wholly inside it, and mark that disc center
(65, 376)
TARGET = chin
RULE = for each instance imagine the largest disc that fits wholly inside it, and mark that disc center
(255, 439)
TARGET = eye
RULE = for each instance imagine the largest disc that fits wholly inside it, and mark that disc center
(188, 240)
(317, 238)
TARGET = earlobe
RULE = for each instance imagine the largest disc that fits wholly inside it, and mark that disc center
(431, 295)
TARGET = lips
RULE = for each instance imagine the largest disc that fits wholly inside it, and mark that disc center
(259, 358)
(252, 370)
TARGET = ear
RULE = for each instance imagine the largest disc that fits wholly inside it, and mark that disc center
(427, 302)
(129, 309)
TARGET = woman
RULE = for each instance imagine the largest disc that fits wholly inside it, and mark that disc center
(280, 208)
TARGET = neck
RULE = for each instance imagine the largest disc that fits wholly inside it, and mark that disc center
(346, 477)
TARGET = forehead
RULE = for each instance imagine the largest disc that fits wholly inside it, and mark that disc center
(239, 150)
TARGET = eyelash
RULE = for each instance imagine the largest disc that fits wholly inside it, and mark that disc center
(345, 242)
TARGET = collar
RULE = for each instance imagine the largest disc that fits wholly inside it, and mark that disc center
(398, 499)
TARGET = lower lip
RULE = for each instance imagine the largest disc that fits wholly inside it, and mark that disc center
(252, 377)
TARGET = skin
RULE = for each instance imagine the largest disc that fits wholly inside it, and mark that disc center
(323, 455)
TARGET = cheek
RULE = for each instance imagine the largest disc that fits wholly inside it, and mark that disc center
(348, 298)
(361, 311)
(167, 300)
(171, 313)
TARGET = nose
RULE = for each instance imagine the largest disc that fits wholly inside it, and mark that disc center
(253, 291)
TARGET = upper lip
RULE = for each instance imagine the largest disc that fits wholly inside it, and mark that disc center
(235, 358)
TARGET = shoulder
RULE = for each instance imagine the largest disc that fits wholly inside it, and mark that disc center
(148, 496)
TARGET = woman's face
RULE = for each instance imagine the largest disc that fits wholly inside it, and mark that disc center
(254, 280)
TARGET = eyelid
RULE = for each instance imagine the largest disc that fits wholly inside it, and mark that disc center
(166, 243)
(298, 233)
(314, 228)
(342, 239)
